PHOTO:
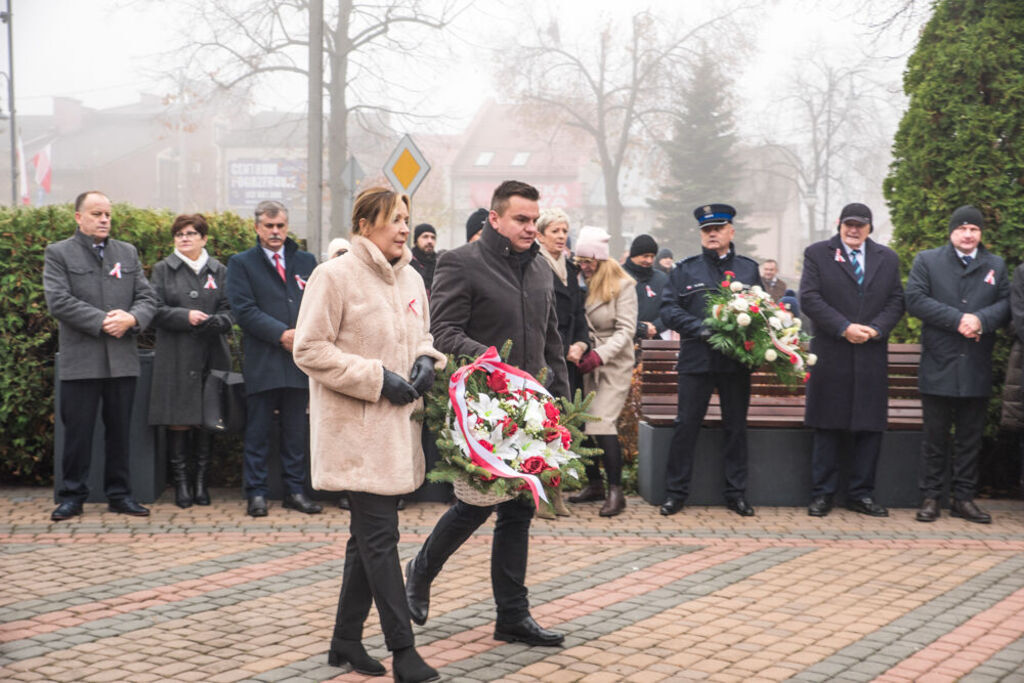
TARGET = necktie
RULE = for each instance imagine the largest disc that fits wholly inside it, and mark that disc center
(858, 271)
(967, 260)
(99, 250)
(280, 268)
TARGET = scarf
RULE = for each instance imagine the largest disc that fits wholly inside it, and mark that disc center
(557, 265)
(196, 265)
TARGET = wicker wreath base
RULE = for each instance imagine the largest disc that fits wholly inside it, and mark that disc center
(469, 494)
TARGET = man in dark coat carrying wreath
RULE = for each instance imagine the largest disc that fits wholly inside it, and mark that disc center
(486, 292)
(850, 290)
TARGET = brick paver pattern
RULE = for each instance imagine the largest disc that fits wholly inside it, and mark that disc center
(209, 594)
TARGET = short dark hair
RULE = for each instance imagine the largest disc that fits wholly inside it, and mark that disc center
(196, 220)
(80, 199)
(769, 260)
(509, 189)
(270, 208)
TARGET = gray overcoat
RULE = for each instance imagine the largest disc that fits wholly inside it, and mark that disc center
(184, 352)
(939, 291)
(80, 290)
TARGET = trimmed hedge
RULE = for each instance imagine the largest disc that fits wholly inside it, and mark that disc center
(30, 334)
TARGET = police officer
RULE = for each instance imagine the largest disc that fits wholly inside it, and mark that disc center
(702, 369)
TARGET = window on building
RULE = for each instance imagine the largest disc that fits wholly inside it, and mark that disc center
(520, 158)
(484, 159)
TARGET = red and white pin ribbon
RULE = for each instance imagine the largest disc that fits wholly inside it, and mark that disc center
(839, 256)
(300, 282)
(650, 292)
(210, 282)
(489, 361)
(991, 277)
(116, 271)
(413, 307)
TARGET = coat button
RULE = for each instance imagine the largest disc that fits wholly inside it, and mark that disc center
(963, 301)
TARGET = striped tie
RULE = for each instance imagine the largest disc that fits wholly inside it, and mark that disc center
(857, 269)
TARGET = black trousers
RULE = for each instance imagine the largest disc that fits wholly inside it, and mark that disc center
(509, 549)
(967, 418)
(260, 407)
(694, 396)
(863, 461)
(79, 401)
(373, 572)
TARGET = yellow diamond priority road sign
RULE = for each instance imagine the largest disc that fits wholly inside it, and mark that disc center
(406, 167)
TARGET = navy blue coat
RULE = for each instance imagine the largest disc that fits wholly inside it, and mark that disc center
(939, 291)
(264, 307)
(849, 386)
(684, 306)
(650, 284)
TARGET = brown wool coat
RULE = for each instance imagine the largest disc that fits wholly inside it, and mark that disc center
(359, 315)
(612, 325)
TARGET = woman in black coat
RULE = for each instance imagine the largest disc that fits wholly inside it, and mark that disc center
(192, 323)
(553, 229)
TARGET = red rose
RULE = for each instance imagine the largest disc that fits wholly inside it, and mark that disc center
(793, 359)
(533, 465)
(807, 376)
(551, 412)
(551, 435)
(566, 437)
(755, 309)
(729, 274)
(748, 345)
(725, 283)
(555, 481)
(497, 381)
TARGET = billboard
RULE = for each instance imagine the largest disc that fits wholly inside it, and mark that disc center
(251, 181)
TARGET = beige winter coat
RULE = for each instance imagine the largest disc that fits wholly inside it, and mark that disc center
(612, 326)
(359, 315)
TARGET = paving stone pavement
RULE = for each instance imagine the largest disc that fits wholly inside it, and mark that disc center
(209, 594)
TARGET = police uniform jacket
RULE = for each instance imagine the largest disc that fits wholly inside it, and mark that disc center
(484, 294)
(939, 291)
(684, 306)
(80, 289)
(849, 385)
(185, 352)
(264, 308)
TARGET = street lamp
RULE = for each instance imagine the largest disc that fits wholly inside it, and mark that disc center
(7, 18)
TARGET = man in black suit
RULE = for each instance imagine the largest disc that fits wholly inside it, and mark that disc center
(850, 290)
(264, 287)
(961, 292)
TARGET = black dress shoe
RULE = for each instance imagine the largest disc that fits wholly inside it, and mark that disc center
(969, 511)
(298, 501)
(352, 652)
(66, 510)
(671, 506)
(740, 506)
(127, 506)
(257, 506)
(820, 506)
(929, 511)
(401, 504)
(343, 502)
(867, 506)
(417, 594)
(527, 631)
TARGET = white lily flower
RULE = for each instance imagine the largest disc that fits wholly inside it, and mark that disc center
(487, 409)
(534, 416)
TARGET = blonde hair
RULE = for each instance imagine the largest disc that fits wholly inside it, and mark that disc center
(607, 281)
(376, 205)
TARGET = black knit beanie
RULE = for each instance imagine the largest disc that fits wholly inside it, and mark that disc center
(966, 215)
(476, 222)
(643, 244)
(422, 228)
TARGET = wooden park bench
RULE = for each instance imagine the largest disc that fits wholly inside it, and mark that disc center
(778, 443)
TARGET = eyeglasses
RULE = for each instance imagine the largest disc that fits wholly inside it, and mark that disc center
(584, 261)
(186, 235)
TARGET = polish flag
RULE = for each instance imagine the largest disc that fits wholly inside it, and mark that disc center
(42, 163)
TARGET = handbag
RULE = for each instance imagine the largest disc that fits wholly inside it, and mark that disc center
(224, 402)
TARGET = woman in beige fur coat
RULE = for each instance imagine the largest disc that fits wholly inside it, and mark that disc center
(607, 368)
(363, 337)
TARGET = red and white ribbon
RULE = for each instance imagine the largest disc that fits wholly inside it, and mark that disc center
(839, 256)
(991, 277)
(413, 308)
(489, 361)
(116, 271)
(300, 282)
(210, 282)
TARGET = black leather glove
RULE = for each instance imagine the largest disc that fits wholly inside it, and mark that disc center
(422, 374)
(397, 390)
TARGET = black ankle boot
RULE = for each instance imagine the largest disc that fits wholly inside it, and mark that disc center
(409, 667)
(352, 652)
(202, 441)
(177, 441)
